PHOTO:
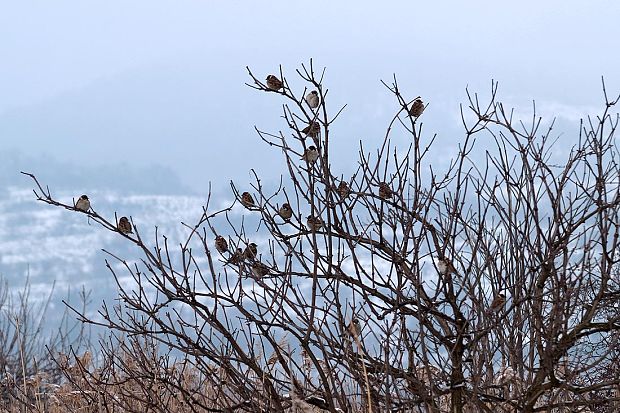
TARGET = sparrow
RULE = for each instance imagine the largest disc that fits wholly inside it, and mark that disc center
(385, 191)
(273, 83)
(312, 99)
(285, 211)
(416, 108)
(445, 267)
(354, 328)
(220, 244)
(83, 204)
(247, 200)
(259, 270)
(313, 129)
(497, 303)
(310, 155)
(343, 190)
(237, 257)
(314, 223)
(124, 226)
(250, 251)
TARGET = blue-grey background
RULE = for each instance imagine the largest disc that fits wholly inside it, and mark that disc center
(142, 104)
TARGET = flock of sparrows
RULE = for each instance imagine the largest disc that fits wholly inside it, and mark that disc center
(123, 226)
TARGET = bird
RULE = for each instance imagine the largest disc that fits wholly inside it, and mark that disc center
(220, 244)
(250, 251)
(311, 154)
(416, 108)
(314, 223)
(385, 191)
(285, 211)
(445, 267)
(83, 204)
(343, 190)
(237, 257)
(273, 83)
(247, 200)
(497, 303)
(313, 129)
(124, 226)
(312, 99)
(354, 328)
(259, 269)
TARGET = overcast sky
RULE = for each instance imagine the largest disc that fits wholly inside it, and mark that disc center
(162, 82)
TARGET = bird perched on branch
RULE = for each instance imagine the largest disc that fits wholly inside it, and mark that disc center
(385, 191)
(220, 244)
(314, 223)
(343, 190)
(247, 200)
(313, 129)
(259, 269)
(354, 328)
(445, 267)
(311, 154)
(312, 99)
(416, 108)
(285, 211)
(498, 303)
(273, 83)
(124, 226)
(250, 251)
(83, 204)
(236, 257)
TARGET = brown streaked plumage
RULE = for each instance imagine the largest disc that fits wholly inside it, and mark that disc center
(313, 129)
(247, 200)
(343, 190)
(416, 108)
(385, 191)
(285, 211)
(314, 223)
(274, 83)
(497, 303)
(445, 267)
(259, 269)
(237, 257)
(220, 244)
(250, 251)
(124, 225)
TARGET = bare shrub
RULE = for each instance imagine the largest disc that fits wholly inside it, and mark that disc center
(488, 284)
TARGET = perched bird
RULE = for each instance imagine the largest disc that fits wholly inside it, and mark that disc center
(343, 190)
(220, 244)
(312, 99)
(250, 251)
(445, 267)
(311, 154)
(274, 83)
(124, 226)
(285, 211)
(385, 191)
(247, 200)
(354, 328)
(313, 129)
(498, 303)
(314, 223)
(83, 204)
(259, 269)
(237, 257)
(416, 108)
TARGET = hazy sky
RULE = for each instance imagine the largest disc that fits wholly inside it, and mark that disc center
(162, 82)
